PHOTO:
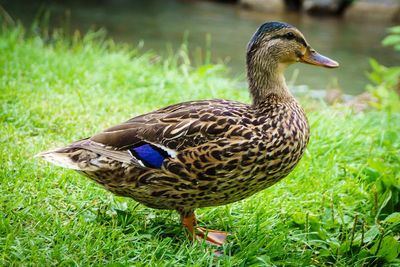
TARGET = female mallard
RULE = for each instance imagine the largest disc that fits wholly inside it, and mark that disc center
(207, 153)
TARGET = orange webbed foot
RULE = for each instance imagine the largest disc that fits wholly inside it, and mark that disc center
(213, 237)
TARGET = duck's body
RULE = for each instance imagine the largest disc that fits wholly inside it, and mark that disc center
(202, 153)
(224, 151)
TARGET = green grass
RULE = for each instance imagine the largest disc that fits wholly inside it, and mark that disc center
(339, 207)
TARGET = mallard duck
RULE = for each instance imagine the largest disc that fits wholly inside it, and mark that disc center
(207, 153)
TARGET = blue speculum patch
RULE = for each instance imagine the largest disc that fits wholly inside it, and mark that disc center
(150, 155)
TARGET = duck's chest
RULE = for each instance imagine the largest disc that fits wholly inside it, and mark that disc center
(279, 139)
(284, 131)
(285, 137)
(275, 147)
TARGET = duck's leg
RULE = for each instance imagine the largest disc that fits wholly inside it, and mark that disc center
(189, 222)
(213, 237)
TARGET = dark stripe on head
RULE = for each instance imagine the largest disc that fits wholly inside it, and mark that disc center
(267, 27)
(298, 39)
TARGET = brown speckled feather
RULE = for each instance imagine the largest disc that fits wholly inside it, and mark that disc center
(177, 127)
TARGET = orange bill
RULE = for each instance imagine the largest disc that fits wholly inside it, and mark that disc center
(313, 58)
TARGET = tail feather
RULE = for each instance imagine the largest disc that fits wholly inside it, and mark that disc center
(85, 155)
(60, 159)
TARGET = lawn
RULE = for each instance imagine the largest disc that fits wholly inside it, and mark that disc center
(339, 207)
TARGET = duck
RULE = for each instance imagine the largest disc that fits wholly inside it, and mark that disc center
(206, 153)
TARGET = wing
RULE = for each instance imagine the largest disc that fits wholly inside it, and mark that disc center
(149, 139)
(175, 127)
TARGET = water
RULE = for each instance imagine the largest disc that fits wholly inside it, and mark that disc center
(230, 27)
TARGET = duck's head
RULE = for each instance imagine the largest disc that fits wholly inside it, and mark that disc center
(273, 47)
(282, 44)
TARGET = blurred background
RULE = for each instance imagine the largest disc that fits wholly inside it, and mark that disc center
(348, 31)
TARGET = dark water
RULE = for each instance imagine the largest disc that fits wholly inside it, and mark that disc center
(159, 23)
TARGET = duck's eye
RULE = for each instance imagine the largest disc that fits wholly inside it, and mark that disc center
(290, 35)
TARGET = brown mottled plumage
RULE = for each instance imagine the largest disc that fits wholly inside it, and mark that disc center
(213, 152)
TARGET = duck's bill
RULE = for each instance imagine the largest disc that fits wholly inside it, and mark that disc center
(313, 58)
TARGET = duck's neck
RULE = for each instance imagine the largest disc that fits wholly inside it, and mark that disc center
(266, 79)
